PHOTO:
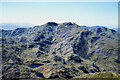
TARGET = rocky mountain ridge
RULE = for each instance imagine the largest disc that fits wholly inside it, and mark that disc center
(66, 50)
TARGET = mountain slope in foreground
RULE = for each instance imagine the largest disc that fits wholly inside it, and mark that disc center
(55, 50)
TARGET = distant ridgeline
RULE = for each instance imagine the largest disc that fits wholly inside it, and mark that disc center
(11, 26)
(64, 50)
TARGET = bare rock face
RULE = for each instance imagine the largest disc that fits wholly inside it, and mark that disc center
(65, 50)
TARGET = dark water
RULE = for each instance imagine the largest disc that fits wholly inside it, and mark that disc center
(39, 74)
(35, 65)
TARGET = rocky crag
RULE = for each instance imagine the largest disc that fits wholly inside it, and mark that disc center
(64, 50)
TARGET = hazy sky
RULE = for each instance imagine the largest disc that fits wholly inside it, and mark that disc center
(82, 13)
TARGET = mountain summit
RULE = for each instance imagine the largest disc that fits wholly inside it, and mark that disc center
(51, 24)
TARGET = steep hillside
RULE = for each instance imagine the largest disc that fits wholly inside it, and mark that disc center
(55, 50)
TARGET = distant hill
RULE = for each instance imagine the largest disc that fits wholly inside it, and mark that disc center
(11, 26)
(55, 50)
(89, 27)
